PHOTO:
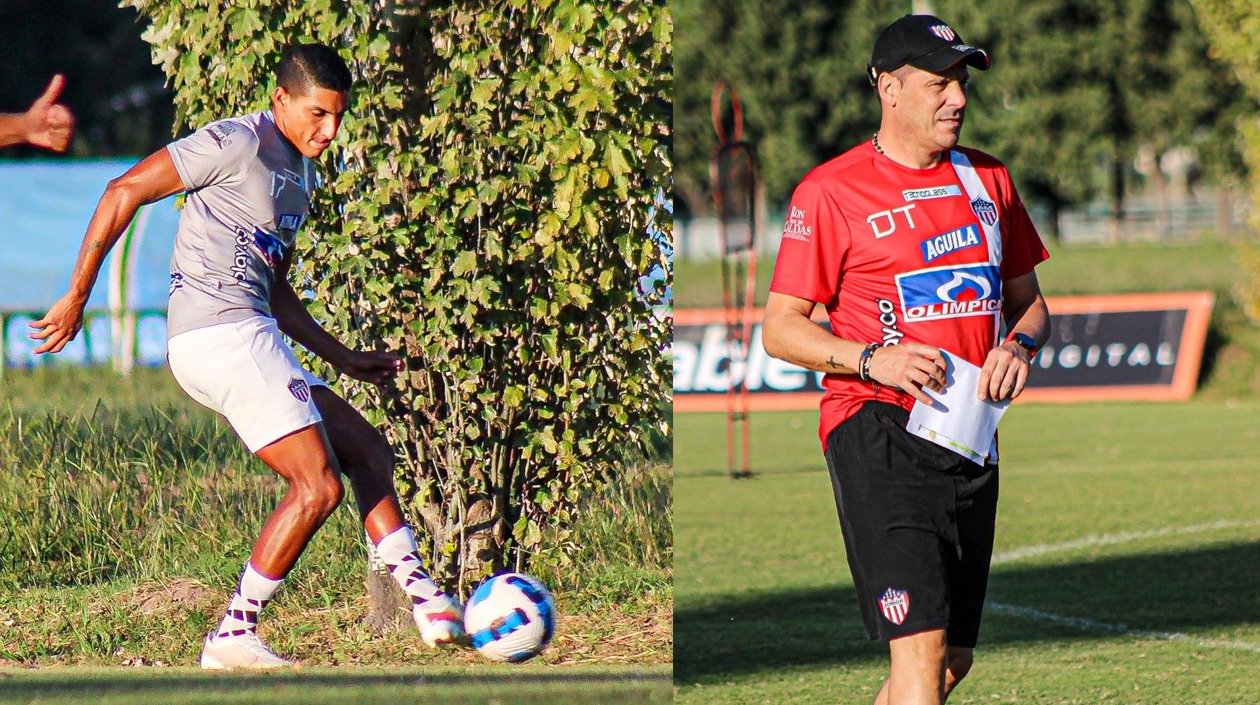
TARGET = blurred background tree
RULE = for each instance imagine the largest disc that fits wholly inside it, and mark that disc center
(1084, 97)
(120, 101)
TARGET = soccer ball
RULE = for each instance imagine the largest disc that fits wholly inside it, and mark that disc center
(511, 617)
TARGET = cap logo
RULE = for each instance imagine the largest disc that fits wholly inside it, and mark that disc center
(943, 31)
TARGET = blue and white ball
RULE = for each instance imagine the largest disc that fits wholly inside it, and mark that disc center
(511, 617)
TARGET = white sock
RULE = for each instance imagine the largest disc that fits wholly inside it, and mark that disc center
(252, 595)
(401, 555)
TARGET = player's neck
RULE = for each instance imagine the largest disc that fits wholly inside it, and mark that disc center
(891, 144)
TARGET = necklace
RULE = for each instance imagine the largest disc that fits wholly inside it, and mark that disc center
(875, 141)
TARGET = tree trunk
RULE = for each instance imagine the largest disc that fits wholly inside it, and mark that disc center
(389, 608)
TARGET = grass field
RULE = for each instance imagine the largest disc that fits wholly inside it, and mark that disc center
(1128, 542)
(126, 512)
(323, 686)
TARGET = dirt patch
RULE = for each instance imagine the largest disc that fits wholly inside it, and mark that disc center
(179, 595)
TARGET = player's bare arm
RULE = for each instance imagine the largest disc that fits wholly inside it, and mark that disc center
(1005, 371)
(789, 334)
(45, 124)
(153, 179)
(297, 323)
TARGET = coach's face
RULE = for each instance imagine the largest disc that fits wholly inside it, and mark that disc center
(310, 121)
(931, 105)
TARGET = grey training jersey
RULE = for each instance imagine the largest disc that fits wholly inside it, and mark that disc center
(248, 191)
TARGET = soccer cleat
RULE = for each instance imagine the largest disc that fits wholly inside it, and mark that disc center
(246, 651)
(440, 621)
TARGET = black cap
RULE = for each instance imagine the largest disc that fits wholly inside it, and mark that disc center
(924, 42)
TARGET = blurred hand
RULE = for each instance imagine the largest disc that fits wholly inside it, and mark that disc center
(910, 367)
(1004, 373)
(375, 367)
(48, 124)
(60, 325)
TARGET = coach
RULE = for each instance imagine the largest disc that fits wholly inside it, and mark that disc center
(914, 245)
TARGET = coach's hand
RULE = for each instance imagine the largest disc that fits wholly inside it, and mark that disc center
(375, 367)
(910, 367)
(60, 325)
(49, 124)
(1004, 373)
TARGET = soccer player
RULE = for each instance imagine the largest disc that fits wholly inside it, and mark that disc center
(249, 181)
(46, 123)
(913, 245)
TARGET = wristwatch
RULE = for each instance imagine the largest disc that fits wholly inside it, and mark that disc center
(1026, 342)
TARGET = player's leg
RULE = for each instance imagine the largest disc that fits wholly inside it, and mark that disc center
(305, 461)
(368, 461)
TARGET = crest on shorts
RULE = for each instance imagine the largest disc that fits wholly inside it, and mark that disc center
(985, 210)
(895, 604)
(300, 390)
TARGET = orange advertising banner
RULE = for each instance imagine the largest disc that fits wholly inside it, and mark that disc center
(1128, 346)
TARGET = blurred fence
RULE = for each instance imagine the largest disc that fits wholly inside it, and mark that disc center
(1214, 211)
(120, 340)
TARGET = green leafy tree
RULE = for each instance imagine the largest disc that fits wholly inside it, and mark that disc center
(486, 214)
(1078, 89)
(799, 68)
(1233, 28)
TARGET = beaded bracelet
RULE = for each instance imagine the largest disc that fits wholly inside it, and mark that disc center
(864, 362)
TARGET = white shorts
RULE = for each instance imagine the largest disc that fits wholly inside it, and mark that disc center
(247, 373)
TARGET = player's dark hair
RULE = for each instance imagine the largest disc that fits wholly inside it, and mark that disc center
(306, 66)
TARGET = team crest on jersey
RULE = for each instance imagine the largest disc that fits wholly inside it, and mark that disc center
(949, 242)
(895, 604)
(950, 292)
(984, 210)
(943, 31)
(300, 390)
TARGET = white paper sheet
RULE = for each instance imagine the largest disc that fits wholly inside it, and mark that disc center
(957, 420)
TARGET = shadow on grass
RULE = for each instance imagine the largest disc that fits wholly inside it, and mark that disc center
(190, 686)
(1195, 591)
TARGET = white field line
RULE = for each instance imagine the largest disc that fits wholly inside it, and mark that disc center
(1111, 540)
(1114, 539)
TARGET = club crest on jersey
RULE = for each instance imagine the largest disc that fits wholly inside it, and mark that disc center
(950, 292)
(300, 390)
(984, 210)
(952, 241)
(923, 194)
(895, 604)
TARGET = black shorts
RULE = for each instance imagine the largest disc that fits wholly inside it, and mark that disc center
(918, 526)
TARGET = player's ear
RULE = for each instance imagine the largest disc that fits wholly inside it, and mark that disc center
(280, 96)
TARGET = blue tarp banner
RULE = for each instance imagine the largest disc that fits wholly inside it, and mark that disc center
(45, 208)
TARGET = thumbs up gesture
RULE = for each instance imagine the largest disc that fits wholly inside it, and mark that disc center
(49, 124)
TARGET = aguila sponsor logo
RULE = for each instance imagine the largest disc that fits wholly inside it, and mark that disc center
(796, 229)
(951, 241)
(950, 292)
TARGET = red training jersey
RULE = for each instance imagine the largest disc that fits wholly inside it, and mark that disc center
(901, 255)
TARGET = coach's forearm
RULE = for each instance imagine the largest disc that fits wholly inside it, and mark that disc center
(794, 338)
